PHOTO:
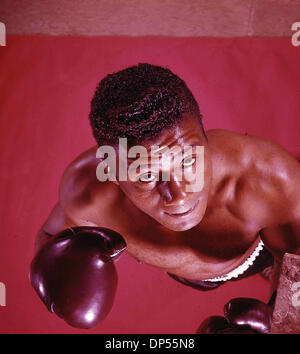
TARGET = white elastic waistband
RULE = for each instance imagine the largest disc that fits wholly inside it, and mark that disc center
(242, 268)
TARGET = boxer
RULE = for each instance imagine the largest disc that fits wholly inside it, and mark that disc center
(246, 214)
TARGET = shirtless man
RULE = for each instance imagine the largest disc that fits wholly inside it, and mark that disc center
(250, 192)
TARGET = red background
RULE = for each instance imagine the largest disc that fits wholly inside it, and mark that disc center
(46, 83)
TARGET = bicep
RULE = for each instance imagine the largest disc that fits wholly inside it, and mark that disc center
(283, 231)
(75, 206)
(67, 212)
(64, 213)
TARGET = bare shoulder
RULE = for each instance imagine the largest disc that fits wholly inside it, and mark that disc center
(259, 148)
(229, 143)
(272, 156)
(82, 196)
(283, 170)
(267, 165)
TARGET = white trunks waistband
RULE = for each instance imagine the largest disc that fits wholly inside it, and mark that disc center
(242, 268)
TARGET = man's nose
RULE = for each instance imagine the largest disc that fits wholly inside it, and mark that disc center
(172, 192)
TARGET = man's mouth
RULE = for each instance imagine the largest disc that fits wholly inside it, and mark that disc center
(184, 213)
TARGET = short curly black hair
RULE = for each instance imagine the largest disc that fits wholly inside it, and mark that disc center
(138, 103)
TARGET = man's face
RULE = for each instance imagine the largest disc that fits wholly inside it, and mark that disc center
(164, 187)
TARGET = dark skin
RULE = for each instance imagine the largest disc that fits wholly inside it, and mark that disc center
(250, 192)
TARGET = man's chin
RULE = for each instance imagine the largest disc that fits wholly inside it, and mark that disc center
(180, 226)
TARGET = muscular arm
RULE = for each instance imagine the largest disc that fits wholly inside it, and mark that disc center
(56, 222)
(282, 235)
(70, 210)
(74, 273)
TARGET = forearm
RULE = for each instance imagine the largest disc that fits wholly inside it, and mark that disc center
(41, 238)
(56, 222)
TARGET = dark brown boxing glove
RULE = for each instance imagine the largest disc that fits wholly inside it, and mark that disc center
(74, 274)
(242, 316)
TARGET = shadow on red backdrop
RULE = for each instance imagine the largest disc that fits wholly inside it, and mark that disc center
(246, 85)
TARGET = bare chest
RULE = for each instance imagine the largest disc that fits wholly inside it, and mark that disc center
(220, 242)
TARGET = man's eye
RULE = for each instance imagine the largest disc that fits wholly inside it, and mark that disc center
(147, 177)
(188, 161)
